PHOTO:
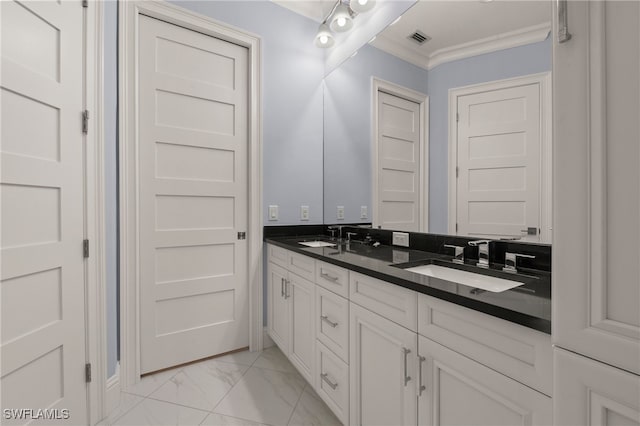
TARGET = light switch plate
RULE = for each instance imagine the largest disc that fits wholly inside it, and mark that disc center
(363, 212)
(340, 213)
(304, 212)
(273, 212)
(400, 239)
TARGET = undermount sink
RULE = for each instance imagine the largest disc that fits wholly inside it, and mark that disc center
(317, 244)
(484, 282)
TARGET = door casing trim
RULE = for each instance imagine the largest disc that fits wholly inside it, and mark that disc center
(128, 27)
(546, 117)
(380, 85)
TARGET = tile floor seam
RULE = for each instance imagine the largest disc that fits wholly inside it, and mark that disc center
(230, 389)
(127, 411)
(181, 405)
(296, 405)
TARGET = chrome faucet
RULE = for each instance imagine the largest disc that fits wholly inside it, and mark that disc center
(483, 252)
(458, 256)
(333, 229)
(350, 234)
(510, 261)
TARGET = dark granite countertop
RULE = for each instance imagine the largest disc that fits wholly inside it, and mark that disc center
(528, 305)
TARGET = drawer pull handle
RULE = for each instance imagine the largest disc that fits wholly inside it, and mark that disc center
(328, 277)
(421, 387)
(281, 287)
(407, 378)
(328, 321)
(286, 289)
(325, 377)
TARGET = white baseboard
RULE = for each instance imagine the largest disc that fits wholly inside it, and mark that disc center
(267, 342)
(112, 398)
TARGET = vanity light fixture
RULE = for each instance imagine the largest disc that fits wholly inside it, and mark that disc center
(342, 20)
(361, 6)
(324, 38)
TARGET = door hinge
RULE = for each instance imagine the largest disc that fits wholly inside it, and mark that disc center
(456, 227)
(457, 117)
(87, 373)
(85, 3)
(85, 121)
(457, 171)
(85, 248)
(242, 235)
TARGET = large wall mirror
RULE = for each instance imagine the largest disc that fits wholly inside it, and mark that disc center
(442, 123)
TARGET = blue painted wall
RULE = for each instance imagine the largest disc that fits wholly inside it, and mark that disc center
(508, 63)
(347, 127)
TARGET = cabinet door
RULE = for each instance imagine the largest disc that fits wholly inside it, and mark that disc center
(278, 307)
(588, 392)
(301, 296)
(596, 220)
(382, 370)
(460, 391)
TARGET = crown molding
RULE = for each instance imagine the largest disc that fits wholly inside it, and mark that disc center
(521, 37)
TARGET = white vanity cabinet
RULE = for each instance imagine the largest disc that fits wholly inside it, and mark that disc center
(383, 370)
(455, 390)
(387, 355)
(291, 308)
(596, 223)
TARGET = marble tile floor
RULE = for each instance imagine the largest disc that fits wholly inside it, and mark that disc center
(245, 388)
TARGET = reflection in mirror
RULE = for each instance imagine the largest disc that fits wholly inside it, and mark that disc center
(442, 123)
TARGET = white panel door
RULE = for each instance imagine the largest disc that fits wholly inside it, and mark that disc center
(398, 168)
(596, 267)
(193, 195)
(498, 151)
(591, 393)
(43, 288)
(382, 368)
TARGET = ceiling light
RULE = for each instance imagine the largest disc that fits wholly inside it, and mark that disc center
(341, 20)
(360, 6)
(324, 38)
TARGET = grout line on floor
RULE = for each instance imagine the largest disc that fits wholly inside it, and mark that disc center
(181, 405)
(297, 402)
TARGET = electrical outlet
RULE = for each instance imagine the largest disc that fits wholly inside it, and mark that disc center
(340, 214)
(363, 212)
(273, 212)
(400, 239)
(304, 212)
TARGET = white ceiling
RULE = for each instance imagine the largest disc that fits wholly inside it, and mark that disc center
(455, 24)
(314, 9)
(458, 28)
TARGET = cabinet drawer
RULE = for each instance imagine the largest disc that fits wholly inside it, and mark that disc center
(332, 322)
(518, 352)
(303, 266)
(333, 278)
(278, 255)
(332, 382)
(391, 301)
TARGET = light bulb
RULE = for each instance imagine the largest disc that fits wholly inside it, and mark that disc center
(342, 21)
(362, 2)
(324, 39)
